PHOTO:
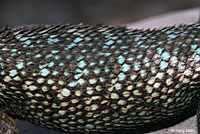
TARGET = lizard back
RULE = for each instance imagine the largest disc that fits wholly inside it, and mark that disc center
(98, 78)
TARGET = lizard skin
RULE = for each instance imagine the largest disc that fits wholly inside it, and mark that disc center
(97, 78)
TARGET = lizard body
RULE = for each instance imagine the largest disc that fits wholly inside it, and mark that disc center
(96, 78)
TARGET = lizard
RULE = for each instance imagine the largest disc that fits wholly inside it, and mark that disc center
(97, 78)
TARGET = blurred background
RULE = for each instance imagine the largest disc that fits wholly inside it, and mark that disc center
(134, 13)
(23, 12)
